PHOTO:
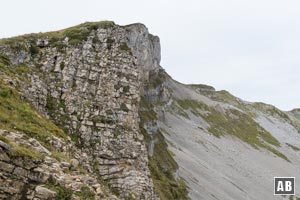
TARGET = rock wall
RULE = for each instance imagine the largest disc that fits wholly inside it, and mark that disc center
(91, 88)
(28, 170)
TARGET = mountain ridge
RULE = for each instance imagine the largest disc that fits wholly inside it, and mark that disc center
(101, 119)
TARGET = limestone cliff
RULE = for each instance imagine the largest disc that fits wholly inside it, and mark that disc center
(88, 81)
(88, 113)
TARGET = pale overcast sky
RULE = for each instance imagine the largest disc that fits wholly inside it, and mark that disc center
(249, 47)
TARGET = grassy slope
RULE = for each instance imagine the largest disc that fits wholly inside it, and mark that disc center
(161, 164)
(235, 123)
(16, 114)
(76, 34)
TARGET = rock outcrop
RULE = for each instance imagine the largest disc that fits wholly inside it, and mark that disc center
(30, 171)
(88, 80)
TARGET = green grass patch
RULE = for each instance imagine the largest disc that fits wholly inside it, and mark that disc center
(274, 151)
(97, 25)
(4, 93)
(162, 164)
(124, 47)
(4, 59)
(13, 72)
(293, 147)
(233, 122)
(156, 79)
(146, 111)
(21, 151)
(226, 97)
(62, 193)
(62, 65)
(176, 109)
(109, 42)
(59, 156)
(275, 112)
(33, 49)
(147, 116)
(192, 104)
(76, 35)
(86, 193)
(22, 69)
(202, 87)
(220, 96)
(166, 186)
(16, 114)
(241, 126)
(271, 110)
(4, 139)
(161, 154)
(126, 89)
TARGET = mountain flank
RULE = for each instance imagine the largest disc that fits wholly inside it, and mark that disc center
(88, 113)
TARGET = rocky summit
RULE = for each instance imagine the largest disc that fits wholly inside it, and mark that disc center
(88, 113)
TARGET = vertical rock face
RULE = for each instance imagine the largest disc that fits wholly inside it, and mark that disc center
(145, 47)
(91, 87)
